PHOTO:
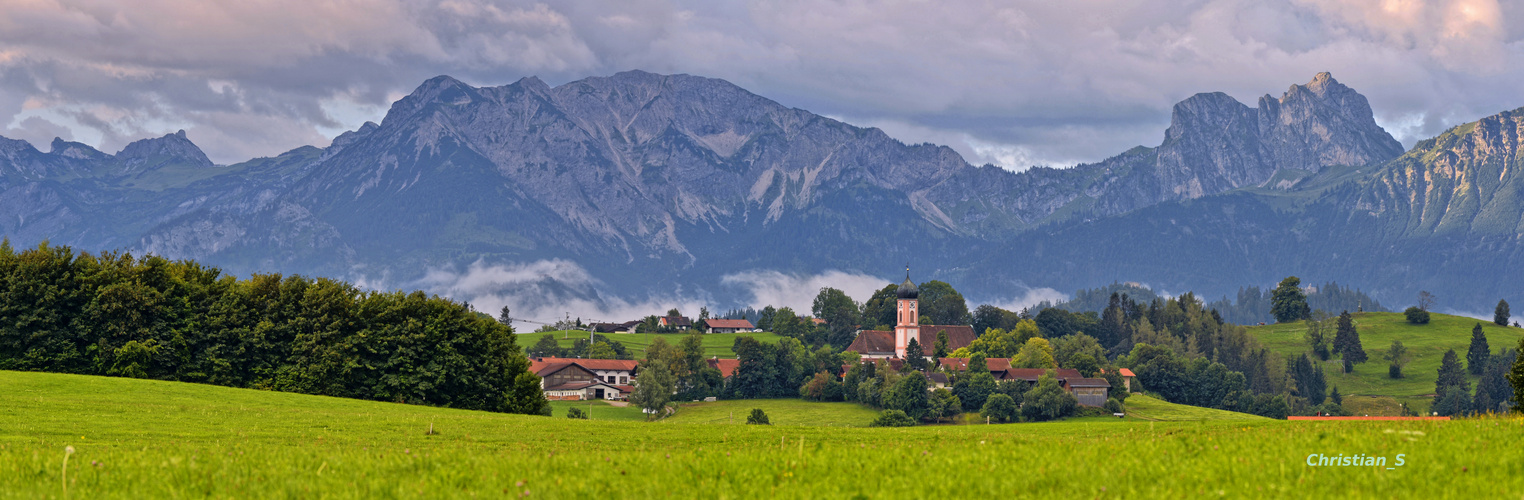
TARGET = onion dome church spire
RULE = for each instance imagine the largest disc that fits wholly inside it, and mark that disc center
(907, 289)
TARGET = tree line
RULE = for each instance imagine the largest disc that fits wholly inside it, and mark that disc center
(148, 317)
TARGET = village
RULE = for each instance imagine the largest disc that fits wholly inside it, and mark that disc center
(909, 344)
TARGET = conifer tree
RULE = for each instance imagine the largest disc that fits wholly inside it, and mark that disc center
(1333, 395)
(1452, 379)
(1347, 340)
(915, 356)
(1476, 355)
(1516, 377)
(1500, 315)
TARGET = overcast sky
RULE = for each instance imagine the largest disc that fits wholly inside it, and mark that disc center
(1014, 83)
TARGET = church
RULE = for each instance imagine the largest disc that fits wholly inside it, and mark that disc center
(878, 344)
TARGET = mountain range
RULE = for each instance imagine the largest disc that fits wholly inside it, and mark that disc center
(642, 185)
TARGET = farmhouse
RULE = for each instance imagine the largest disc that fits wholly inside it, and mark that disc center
(678, 323)
(727, 326)
(1089, 391)
(575, 379)
(876, 344)
(625, 327)
(1128, 378)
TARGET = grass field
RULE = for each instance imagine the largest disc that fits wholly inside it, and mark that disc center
(779, 412)
(598, 410)
(1426, 344)
(1147, 408)
(715, 344)
(150, 439)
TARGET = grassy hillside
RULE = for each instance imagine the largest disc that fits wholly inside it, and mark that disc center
(599, 410)
(1147, 408)
(151, 439)
(779, 412)
(715, 344)
(1426, 344)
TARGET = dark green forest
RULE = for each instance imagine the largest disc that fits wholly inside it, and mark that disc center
(118, 315)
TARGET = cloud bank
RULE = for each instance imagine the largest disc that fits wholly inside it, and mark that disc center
(1009, 83)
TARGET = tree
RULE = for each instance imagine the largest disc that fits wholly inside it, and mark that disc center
(840, 313)
(1416, 315)
(1347, 340)
(787, 324)
(1067, 348)
(909, 395)
(528, 398)
(939, 349)
(1335, 397)
(942, 305)
(1516, 377)
(703, 313)
(915, 356)
(1086, 365)
(1451, 382)
(1048, 401)
(504, 318)
(576, 412)
(765, 320)
(1000, 408)
(653, 388)
(1288, 303)
(1425, 300)
(546, 347)
(1317, 334)
(1119, 389)
(1397, 355)
(944, 404)
(974, 387)
(892, 418)
(1036, 353)
(1114, 405)
(822, 387)
(757, 417)
(1309, 380)
(1478, 352)
(602, 350)
(1500, 315)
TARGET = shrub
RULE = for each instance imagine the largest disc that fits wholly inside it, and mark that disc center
(1000, 408)
(1394, 371)
(757, 417)
(575, 412)
(1417, 316)
(1114, 405)
(892, 418)
(1048, 401)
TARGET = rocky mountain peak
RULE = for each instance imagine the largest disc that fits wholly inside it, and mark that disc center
(172, 148)
(75, 150)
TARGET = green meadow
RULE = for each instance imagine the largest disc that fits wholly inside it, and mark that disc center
(715, 344)
(152, 439)
(1375, 393)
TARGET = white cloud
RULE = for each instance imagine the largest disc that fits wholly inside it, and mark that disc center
(1028, 298)
(798, 291)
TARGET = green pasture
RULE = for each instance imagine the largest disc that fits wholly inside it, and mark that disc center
(1426, 345)
(151, 439)
(715, 344)
(779, 412)
(1148, 408)
(598, 410)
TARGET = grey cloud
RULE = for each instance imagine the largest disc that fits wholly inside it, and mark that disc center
(1013, 83)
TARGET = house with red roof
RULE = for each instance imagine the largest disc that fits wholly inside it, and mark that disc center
(727, 326)
(578, 379)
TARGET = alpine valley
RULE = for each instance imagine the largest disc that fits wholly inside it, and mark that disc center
(642, 185)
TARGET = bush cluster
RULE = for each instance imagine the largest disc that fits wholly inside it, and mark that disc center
(113, 314)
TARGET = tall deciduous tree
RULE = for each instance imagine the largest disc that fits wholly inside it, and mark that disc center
(1036, 353)
(975, 385)
(1048, 401)
(1397, 356)
(1288, 302)
(1478, 352)
(840, 313)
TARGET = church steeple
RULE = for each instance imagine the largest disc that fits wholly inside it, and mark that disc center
(908, 313)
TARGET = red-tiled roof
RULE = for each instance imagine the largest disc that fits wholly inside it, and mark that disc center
(957, 336)
(727, 367)
(873, 342)
(994, 364)
(728, 323)
(539, 364)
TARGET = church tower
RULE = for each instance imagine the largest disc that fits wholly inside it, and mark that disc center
(908, 325)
